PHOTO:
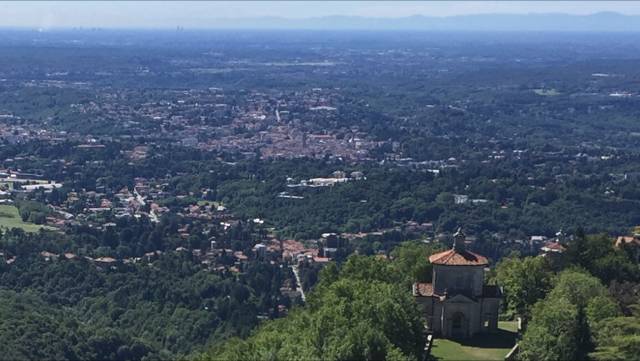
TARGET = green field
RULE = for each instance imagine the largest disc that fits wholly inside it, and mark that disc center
(9, 218)
(483, 347)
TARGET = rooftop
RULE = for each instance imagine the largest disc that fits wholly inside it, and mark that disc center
(455, 257)
(458, 255)
(553, 247)
(423, 289)
(630, 240)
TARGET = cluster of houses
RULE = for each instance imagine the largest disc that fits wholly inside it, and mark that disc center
(96, 208)
(91, 207)
(322, 250)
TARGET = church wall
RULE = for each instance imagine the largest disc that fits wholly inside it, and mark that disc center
(436, 317)
(476, 325)
(471, 313)
(458, 278)
(425, 306)
(431, 311)
(490, 310)
(481, 316)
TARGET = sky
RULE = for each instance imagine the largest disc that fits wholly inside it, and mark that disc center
(167, 14)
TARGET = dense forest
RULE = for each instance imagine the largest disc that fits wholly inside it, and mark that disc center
(69, 309)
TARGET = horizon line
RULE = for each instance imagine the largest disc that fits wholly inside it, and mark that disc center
(224, 23)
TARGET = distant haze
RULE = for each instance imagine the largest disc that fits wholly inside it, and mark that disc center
(483, 22)
(379, 15)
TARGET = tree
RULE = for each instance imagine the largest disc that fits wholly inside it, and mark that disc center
(525, 281)
(596, 254)
(600, 308)
(618, 338)
(578, 287)
(411, 259)
(552, 333)
(561, 325)
(363, 313)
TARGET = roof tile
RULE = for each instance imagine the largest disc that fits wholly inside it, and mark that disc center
(456, 258)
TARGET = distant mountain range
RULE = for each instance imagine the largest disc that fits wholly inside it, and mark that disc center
(604, 21)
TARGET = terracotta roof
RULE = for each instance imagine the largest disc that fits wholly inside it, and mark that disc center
(292, 246)
(553, 247)
(456, 258)
(627, 240)
(423, 289)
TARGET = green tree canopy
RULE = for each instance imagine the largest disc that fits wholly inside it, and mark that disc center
(561, 323)
(525, 281)
(361, 313)
(551, 335)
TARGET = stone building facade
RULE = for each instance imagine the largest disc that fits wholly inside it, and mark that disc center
(457, 304)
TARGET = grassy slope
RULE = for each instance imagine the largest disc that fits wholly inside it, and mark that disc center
(484, 347)
(9, 218)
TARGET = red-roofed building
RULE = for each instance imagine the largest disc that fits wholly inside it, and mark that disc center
(321, 259)
(553, 251)
(291, 249)
(457, 303)
(552, 247)
(627, 240)
(630, 242)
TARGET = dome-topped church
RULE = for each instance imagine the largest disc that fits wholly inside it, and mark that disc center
(457, 303)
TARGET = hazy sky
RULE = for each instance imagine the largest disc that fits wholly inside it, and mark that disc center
(199, 14)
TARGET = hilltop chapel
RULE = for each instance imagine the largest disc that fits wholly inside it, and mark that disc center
(457, 304)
